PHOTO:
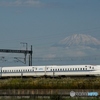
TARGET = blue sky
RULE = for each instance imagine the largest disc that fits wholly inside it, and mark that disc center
(42, 23)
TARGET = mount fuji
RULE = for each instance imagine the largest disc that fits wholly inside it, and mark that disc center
(78, 40)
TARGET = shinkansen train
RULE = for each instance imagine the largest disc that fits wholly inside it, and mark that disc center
(51, 70)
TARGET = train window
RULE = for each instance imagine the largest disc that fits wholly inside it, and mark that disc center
(68, 68)
(80, 68)
(63, 69)
(58, 69)
(75, 68)
(92, 67)
(51, 69)
(83, 68)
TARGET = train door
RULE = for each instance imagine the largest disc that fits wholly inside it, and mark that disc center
(33, 69)
(53, 72)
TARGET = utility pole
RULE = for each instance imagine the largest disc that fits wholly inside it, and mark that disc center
(25, 44)
(20, 51)
(31, 55)
(26, 49)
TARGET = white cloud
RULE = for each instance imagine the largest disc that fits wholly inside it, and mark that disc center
(54, 52)
(49, 56)
(35, 3)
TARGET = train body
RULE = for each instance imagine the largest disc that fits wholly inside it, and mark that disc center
(51, 70)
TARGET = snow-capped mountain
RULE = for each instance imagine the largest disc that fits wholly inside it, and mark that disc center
(79, 40)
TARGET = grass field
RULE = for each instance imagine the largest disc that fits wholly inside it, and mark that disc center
(50, 83)
(50, 99)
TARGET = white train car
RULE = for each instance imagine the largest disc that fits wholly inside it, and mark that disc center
(52, 71)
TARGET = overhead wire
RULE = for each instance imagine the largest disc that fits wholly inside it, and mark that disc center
(49, 36)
